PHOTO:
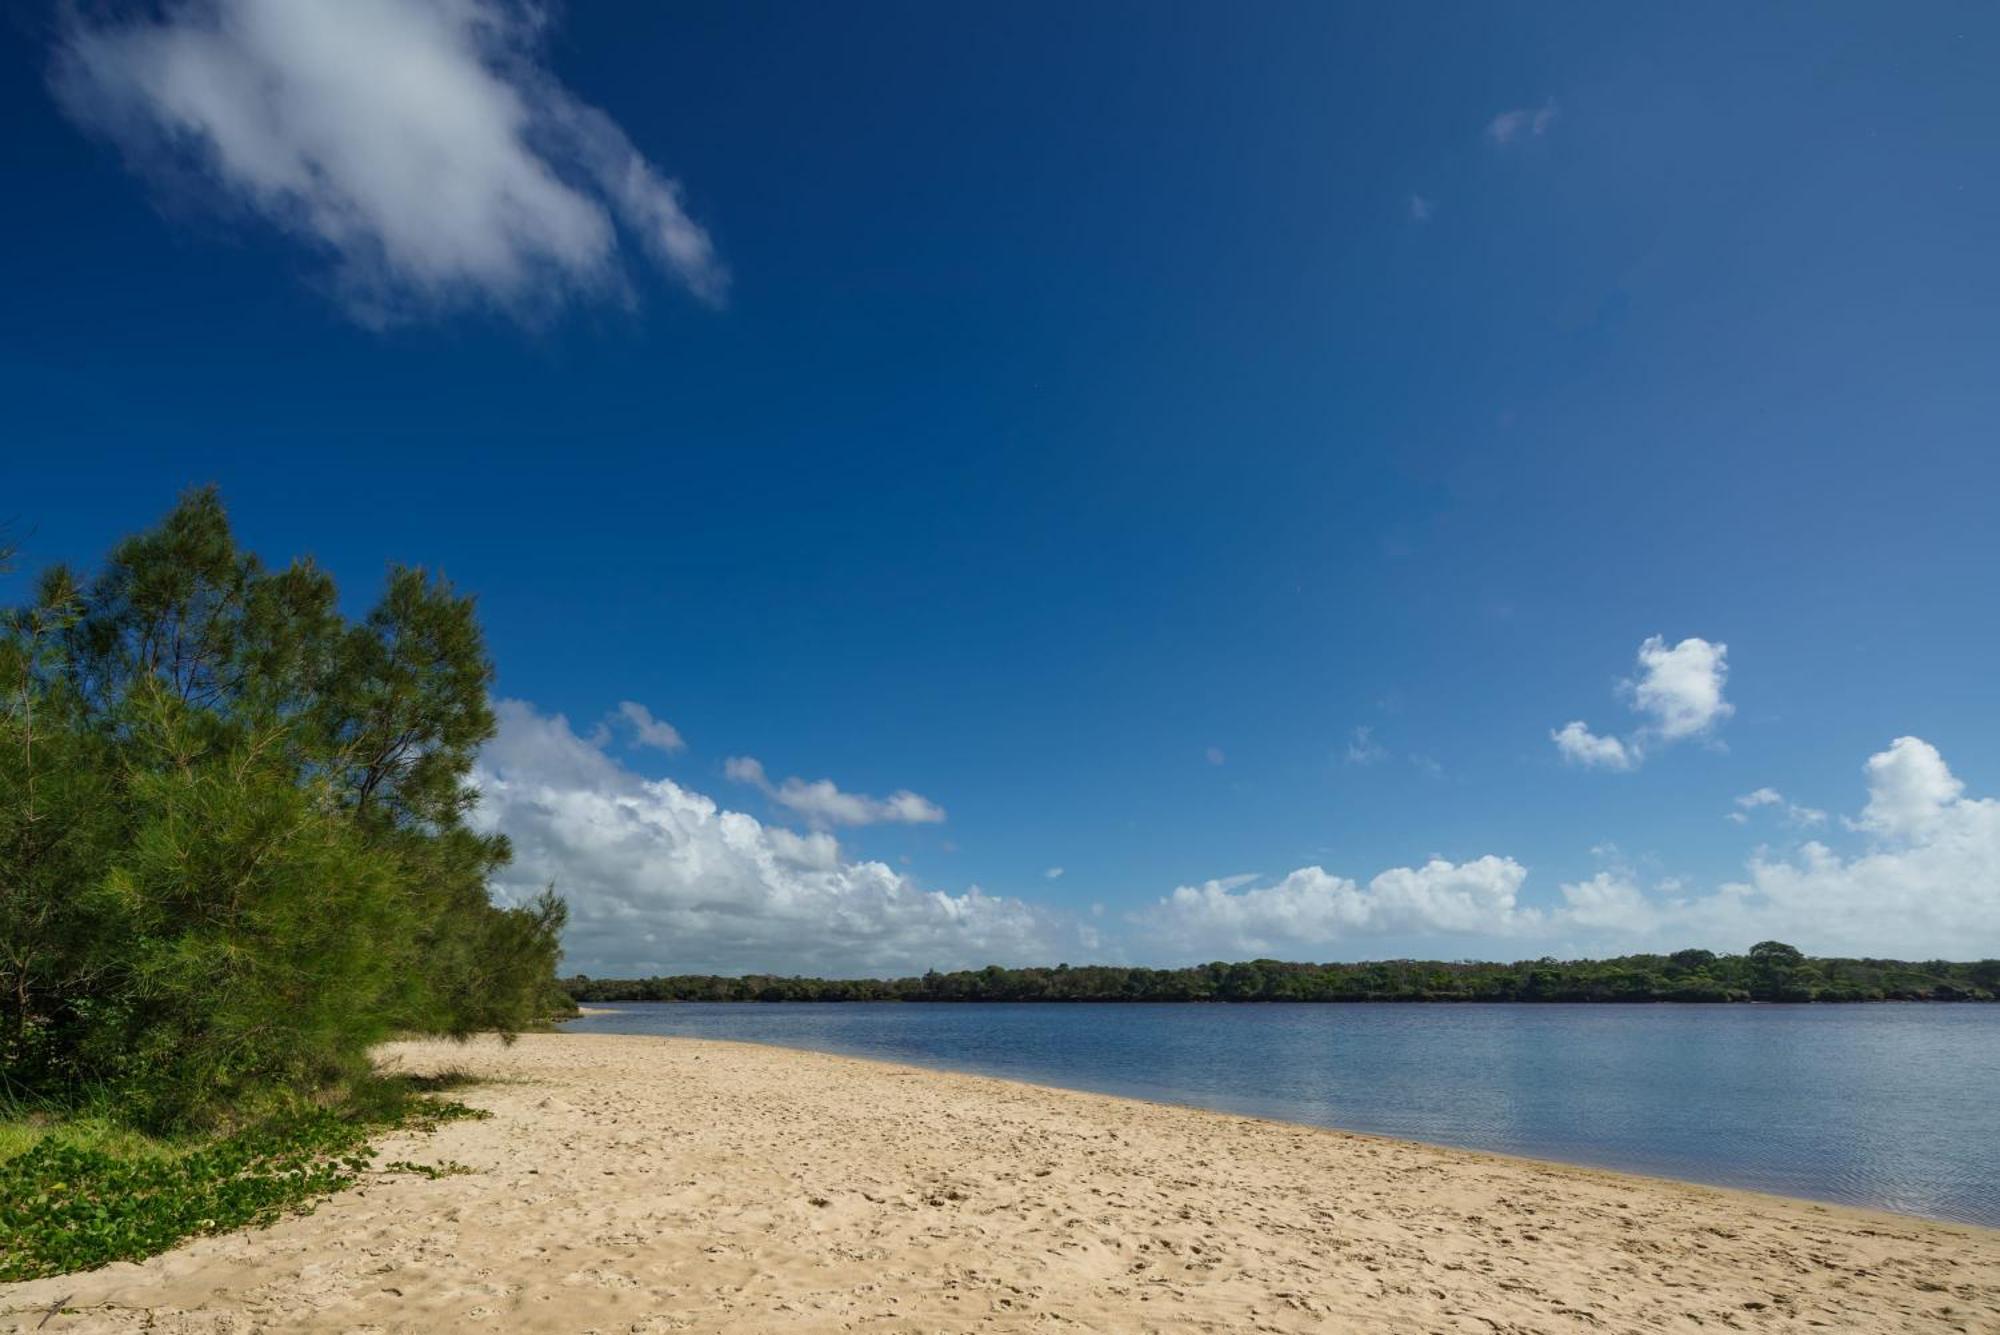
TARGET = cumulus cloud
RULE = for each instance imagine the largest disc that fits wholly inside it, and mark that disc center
(1312, 909)
(1911, 792)
(1580, 746)
(823, 803)
(1678, 694)
(656, 733)
(421, 146)
(1509, 126)
(662, 879)
(1053, 873)
(1926, 885)
(1681, 687)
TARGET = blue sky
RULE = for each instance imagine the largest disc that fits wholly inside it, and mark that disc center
(1211, 453)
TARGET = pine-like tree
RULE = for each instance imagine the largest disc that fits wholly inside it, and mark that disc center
(234, 847)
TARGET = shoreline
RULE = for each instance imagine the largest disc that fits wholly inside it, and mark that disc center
(1526, 1160)
(634, 1182)
(602, 1007)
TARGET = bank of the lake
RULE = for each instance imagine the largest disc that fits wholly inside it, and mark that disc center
(651, 1184)
(1887, 1106)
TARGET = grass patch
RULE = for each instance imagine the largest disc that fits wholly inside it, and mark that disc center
(89, 1122)
(20, 1134)
(81, 1193)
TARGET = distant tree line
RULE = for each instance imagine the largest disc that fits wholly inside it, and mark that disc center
(1770, 971)
(234, 846)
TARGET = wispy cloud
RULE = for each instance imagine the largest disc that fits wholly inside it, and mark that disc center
(1363, 749)
(1053, 873)
(1214, 755)
(823, 803)
(421, 146)
(1509, 126)
(648, 731)
(1421, 209)
(1770, 797)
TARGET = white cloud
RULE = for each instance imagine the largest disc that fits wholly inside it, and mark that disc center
(1509, 125)
(420, 145)
(1421, 209)
(1312, 909)
(823, 803)
(1928, 889)
(1678, 691)
(1911, 792)
(1214, 755)
(662, 879)
(1580, 746)
(1771, 797)
(1363, 749)
(1609, 901)
(1681, 687)
(910, 809)
(1053, 873)
(746, 769)
(649, 731)
(1928, 886)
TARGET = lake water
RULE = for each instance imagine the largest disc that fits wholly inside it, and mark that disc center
(1892, 1106)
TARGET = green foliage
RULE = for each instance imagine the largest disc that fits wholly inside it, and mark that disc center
(234, 845)
(431, 1171)
(1772, 971)
(66, 1206)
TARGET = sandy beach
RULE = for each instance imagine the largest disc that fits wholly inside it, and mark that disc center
(629, 1184)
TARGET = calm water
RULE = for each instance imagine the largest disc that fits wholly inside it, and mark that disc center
(1893, 1106)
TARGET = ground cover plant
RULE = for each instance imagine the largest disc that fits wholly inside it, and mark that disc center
(79, 1197)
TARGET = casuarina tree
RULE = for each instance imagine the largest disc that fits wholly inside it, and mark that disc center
(235, 845)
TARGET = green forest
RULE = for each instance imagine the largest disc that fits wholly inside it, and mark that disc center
(1769, 971)
(235, 846)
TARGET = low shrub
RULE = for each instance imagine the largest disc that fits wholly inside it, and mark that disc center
(68, 1206)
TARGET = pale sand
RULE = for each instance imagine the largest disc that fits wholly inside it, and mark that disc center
(649, 1184)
